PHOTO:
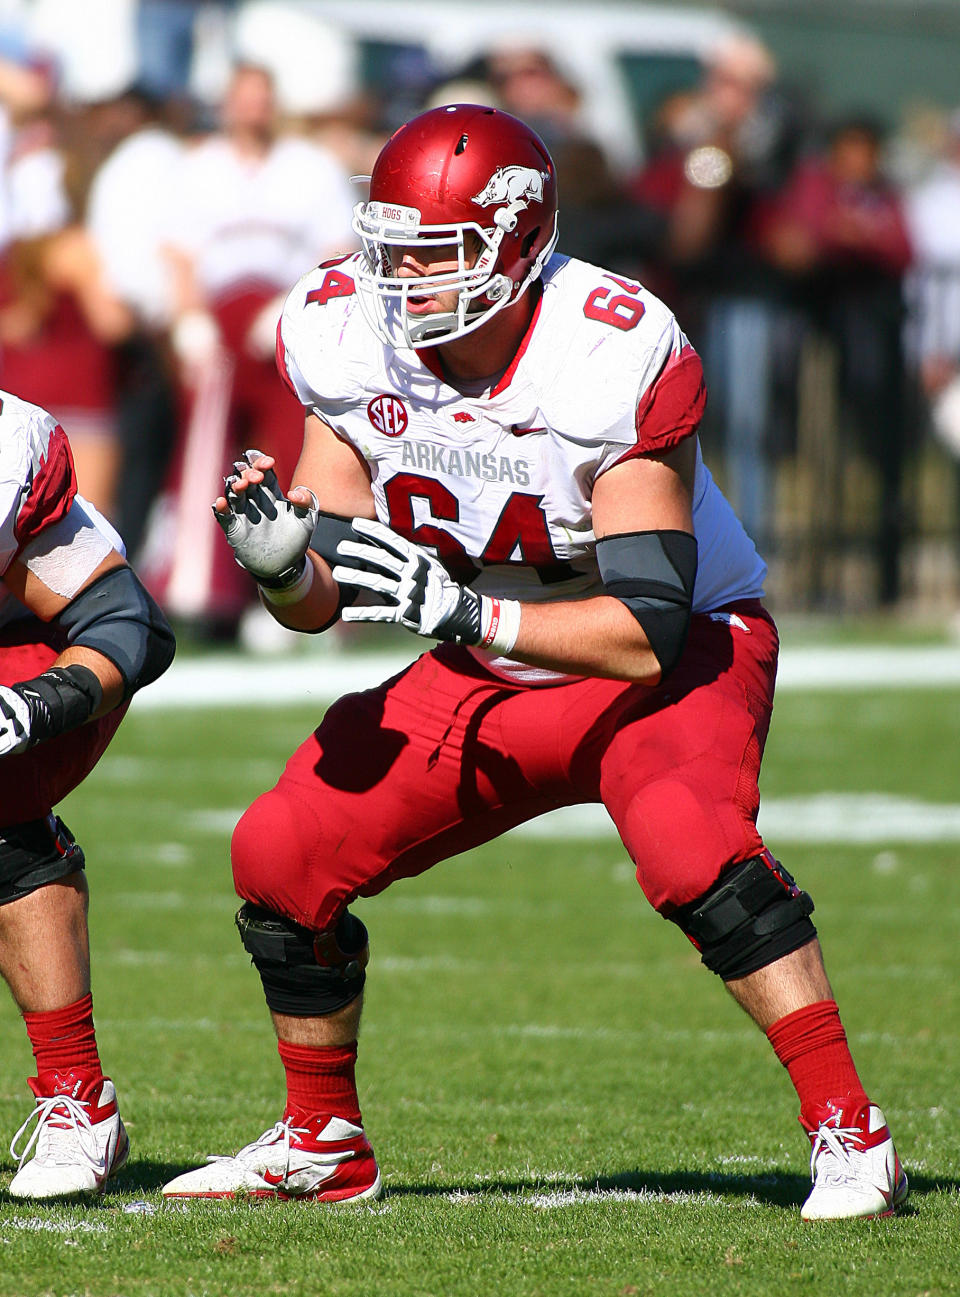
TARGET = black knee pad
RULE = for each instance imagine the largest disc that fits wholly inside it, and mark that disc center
(36, 853)
(753, 915)
(305, 974)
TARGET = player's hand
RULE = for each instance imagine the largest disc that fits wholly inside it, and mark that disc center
(196, 341)
(268, 531)
(261, 338)
(415, 588)
(14, 722)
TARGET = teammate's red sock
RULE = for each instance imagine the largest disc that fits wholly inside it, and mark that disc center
(812, 1045)
(321, 1078)
(65, 1038)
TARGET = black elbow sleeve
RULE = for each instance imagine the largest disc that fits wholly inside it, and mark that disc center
(117, 617)
(653, 574)
(329, 531)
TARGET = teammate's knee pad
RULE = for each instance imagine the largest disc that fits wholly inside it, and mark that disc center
(34, 854)
(753, 915)
(305, 974)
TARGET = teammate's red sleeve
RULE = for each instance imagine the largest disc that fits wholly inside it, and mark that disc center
(670, 409)
(49, 491)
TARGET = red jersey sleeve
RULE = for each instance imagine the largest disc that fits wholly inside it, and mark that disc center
(49, 490)
(670, 408)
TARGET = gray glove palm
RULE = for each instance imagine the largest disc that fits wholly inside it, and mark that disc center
(268, 534)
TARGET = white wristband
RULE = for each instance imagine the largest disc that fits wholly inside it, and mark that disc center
(501, 624)
(291, 593)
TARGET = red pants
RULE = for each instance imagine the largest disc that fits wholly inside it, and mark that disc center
(33, 782)
(445, 757)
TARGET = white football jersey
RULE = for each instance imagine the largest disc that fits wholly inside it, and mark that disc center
(38, 490)
(500, 484)
(258, 221)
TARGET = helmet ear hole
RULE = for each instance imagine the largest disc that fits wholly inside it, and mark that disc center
(529, 239)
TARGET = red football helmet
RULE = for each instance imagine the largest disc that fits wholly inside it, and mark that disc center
(456, 170)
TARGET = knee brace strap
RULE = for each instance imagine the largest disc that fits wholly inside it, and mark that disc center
(34, 854)
(752, 916)
(305, 974)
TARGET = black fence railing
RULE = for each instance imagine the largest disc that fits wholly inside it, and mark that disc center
(822, 429)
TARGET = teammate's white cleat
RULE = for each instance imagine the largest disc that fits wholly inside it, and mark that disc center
(854, 1166)
(79, 1141)
(305, 1155)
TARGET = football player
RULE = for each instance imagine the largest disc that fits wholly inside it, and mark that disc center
(78, 636)
(501, 454)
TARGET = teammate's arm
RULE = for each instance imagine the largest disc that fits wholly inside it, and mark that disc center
(119, 641)
(46, 604)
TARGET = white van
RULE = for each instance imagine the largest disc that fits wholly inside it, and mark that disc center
(623, 58)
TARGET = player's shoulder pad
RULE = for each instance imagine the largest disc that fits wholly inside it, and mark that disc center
(37, 477)
(323, 341)
(614, 347)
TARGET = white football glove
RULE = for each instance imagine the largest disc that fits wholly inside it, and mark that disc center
(268, 534)
(420, 593)
(14, 722)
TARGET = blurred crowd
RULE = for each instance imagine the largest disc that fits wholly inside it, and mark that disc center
(153, 216)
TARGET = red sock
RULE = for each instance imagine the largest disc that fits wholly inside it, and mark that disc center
(65, 1038)
(321, 1079)
(812, 1045)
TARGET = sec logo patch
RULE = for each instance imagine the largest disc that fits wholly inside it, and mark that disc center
(388, 415)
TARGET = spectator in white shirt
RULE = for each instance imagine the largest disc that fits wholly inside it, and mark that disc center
(254, 209)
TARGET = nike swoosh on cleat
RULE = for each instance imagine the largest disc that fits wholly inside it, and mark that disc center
(276, 1179)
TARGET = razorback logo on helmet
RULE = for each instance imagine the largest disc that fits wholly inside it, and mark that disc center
(512, 185)
(388, 415)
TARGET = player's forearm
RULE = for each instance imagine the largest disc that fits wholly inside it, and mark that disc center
(111, 681)
(317, 605)
(590, 637)
(119, 642)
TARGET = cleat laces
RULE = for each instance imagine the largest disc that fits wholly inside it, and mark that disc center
(62, 1128)
(288, 1135)
(837, 1142)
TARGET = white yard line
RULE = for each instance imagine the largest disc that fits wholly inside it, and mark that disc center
(45, 1224)
(639, 1197)
(865, 818)
(219, 679)
(592, 1197)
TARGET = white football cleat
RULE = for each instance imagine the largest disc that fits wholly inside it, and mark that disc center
(79, 1141)
(305, 1155)
(854, 1166)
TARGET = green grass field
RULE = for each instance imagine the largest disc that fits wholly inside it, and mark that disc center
(563, 1102)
